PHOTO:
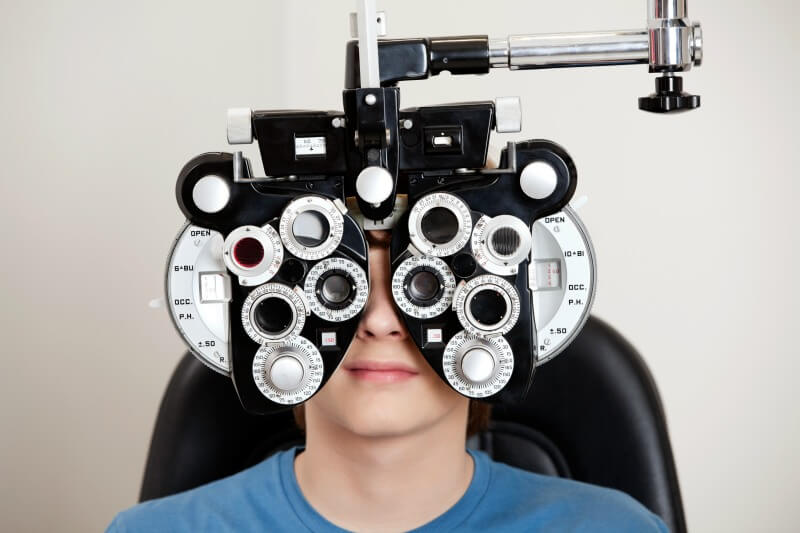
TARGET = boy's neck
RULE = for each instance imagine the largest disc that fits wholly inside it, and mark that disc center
(386, 483)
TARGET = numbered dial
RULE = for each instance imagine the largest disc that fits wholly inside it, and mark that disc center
(336, 289)
(274, 312)
(476, 366)
(423, 286)
(487, 305)
(311, 227)
(562, 280)
(439, 224)
(288, 373)
(501, 243)
(198, 291)
(253, 253)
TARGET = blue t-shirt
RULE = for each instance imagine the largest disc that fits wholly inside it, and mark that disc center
(266, 497)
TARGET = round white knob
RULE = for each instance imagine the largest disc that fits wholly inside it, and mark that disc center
(477, 365)
(538, 180)
(240, 125)
(211, 194)
(286, 373)
(374, 185)
(508, 114)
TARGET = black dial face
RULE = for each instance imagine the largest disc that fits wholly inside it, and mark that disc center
(423, 286)
(273, 315)
(335, 289)
(488, 308)
(439, 225)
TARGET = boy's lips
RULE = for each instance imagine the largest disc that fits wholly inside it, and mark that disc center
(381, 371)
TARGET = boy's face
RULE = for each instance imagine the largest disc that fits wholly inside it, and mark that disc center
(391, 402)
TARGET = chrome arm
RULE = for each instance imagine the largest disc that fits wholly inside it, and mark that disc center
(670, 43)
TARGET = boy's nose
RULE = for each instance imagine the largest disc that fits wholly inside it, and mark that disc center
(380, 320)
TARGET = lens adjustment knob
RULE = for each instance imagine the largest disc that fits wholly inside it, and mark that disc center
(286, 373)
(477, 367)
(289, 372)
(538, 180)
(374, 185)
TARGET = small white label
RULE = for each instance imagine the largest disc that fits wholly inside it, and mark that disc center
(548, 275)
(213, 288)
(443, 141)
(309, 146)
(329, 338)
(434, 335)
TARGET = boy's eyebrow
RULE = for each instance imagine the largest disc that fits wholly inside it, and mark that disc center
(379, 238)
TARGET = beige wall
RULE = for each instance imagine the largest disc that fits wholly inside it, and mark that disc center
(692, 219)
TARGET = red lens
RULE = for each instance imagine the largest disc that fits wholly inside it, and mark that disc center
(248, 252)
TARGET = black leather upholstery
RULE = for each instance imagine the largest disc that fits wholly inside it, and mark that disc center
(593, 415)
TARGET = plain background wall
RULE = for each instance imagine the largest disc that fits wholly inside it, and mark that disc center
(692, 218)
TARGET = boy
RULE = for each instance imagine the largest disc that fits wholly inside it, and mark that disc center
(386, 451)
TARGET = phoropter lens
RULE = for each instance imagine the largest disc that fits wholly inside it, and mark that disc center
(439, 225)
(423, 286)
(310, 228)
(488, 307)
(248, 252)
(336, 289)
(505, 241)
(273, 315)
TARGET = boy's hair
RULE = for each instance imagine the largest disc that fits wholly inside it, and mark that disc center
(478, 417)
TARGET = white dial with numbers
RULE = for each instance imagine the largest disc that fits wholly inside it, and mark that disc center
(562, 278)
(198, 291)
(477, 366)
(423, 286)
(311, 227)
(507, 305)
(439, 224)
(288, 373)
(348, 293)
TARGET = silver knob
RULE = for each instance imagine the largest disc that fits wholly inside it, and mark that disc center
(374, 185)
(477, 365)
(286, 373)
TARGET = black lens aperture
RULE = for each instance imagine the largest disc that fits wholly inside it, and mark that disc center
(335, 289)
(439, 225)
(273, 315)
(423, 285)
(488, 307)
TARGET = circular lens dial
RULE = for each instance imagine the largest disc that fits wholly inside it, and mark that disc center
(311, 227)
(439, 224)
(336, 289)
(423, 286)
(487, 305)
(273, 312)
(253, 253)
(500, 243)
(288, 373)
(476, 366)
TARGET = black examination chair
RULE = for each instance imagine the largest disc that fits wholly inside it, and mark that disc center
(594, 415)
